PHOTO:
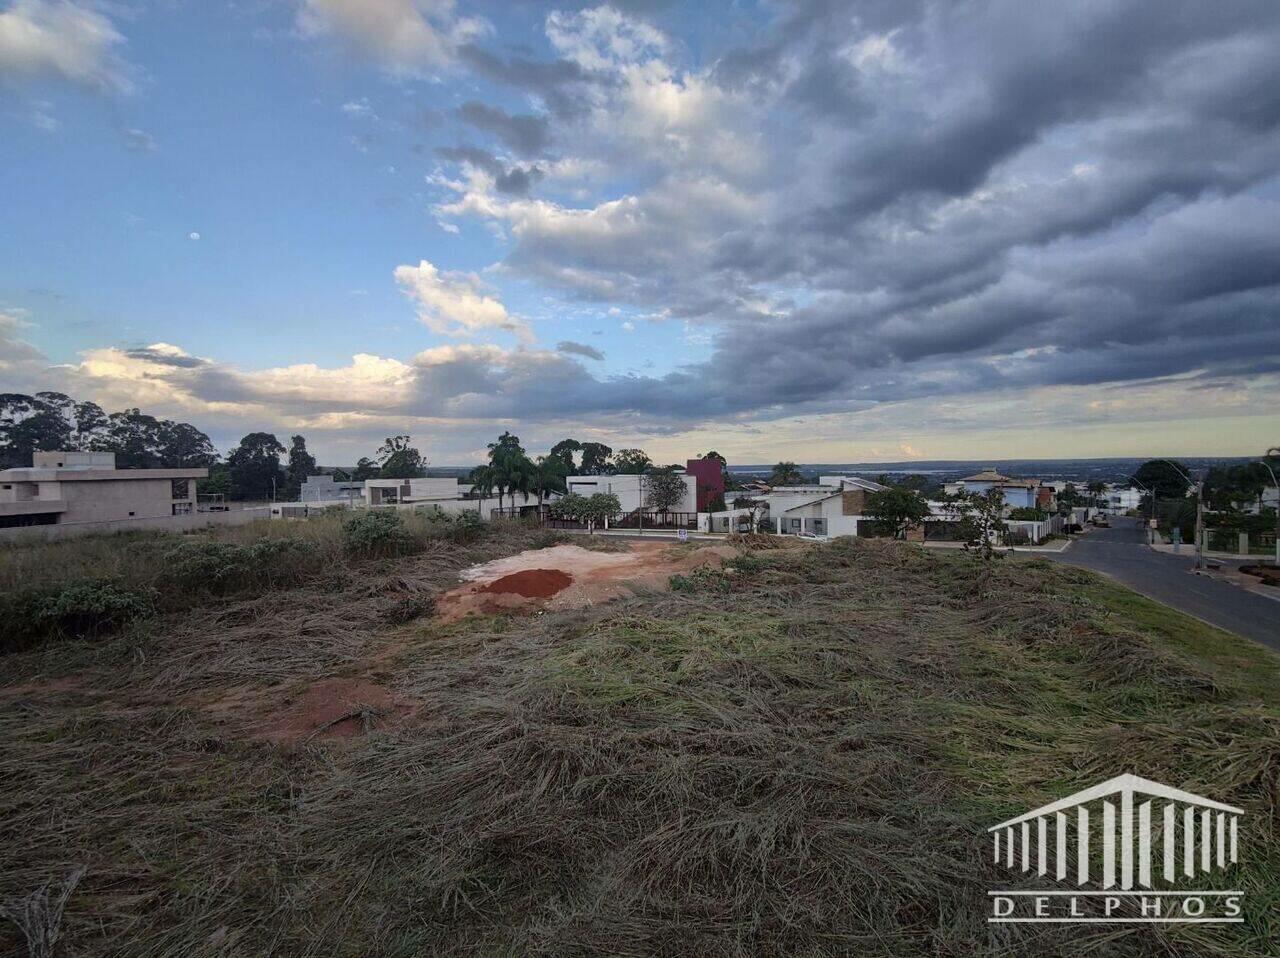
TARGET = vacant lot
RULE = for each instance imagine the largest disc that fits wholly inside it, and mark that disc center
(795, 754)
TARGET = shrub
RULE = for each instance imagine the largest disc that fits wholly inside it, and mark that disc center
(700, 580)
(222, 568)
(79, 609)
(381, 533)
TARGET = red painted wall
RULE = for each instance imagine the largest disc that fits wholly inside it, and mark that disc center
(710, 482)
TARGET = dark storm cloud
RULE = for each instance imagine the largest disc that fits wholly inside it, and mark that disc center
(579, 349)
(522, 132)
(892, 200)
(152, 355)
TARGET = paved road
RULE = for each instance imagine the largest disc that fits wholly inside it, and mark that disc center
(1122, 553)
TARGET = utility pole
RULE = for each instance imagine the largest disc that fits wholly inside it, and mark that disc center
(1199, 510)
(1274, 451)
(1152, 493)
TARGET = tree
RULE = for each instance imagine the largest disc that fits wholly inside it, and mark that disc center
(786, 474)
(254, 466)
(564, 450)
(482, 479)
(898, 508)
(183, 446)
(664, 488)
(399, 460)
(341, 475)
(218, 481)
(590, 510)
(44, 431)
(595, 459)
(301, 464)
(981, 520)
(549, 477)
(512, 470)
(366, 468)
(1168, 479)
(630, 462)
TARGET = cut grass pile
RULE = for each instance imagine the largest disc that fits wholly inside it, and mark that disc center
(796, 757)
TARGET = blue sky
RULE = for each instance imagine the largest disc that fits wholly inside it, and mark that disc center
(822, 231)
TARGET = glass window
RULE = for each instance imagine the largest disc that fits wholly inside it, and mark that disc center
(182, 508)
(181, 489)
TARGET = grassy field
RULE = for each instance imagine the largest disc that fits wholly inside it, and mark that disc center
(798, 756)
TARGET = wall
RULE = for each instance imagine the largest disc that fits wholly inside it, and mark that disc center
(200, 520)
(627, 489)
(709, 479)
(111, 499)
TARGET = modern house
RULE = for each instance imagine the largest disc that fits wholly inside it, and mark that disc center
(831, 508)
(631, 490)
(1122, 499)
(1018, 493)
(325, 489)
(389, 492)
(86, 488)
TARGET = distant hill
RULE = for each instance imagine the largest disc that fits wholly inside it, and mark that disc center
(943, 470)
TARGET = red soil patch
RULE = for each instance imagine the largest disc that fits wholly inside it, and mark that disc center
(531, 583)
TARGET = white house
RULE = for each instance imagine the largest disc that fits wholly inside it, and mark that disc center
(831, 508)
(1122, 499)
(631, 490)
(1018, 493)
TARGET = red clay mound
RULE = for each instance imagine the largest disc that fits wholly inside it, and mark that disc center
(531, 583)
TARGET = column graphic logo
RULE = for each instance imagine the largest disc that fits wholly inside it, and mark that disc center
(1127, 845)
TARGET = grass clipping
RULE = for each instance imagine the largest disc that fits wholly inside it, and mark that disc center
(799, 757)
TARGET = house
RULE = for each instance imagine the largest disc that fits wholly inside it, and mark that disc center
(1122, 499)
(85, 488)
(325, 489)
(389, 492)
(831, 508)
(1018, 493)
(631, 490)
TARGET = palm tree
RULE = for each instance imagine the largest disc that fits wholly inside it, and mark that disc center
(549, 476)
(482, 483)
(786, 474)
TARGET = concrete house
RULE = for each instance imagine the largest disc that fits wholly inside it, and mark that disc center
(86, 488)
(325, 489)
(630, 490)
(1018, 493)
(831, 508)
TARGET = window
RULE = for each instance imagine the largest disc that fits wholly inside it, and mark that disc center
(794, 525)
(180, 509)
(818, 527)
(181, 489)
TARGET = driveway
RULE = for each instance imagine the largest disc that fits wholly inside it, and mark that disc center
(1122, 553)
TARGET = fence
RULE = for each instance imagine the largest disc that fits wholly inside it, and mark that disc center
(1234, 542)
(182, 523)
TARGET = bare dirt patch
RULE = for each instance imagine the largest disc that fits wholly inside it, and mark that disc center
(333, 708)
(571, 577)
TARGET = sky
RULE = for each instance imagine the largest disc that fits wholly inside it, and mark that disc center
(817, 231)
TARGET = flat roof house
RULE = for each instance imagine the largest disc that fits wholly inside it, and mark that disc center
(82, 488)
(630, 490)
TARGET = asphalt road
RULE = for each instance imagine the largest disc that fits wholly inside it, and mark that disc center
(1122, 553)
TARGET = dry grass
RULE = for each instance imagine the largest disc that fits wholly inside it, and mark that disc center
(802, 762)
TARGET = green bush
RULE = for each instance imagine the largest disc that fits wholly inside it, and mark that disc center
(700, 580)
(381, 533)
(223, 568)
(79, 609)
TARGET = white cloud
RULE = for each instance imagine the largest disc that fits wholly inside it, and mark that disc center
(404, 35)
(455, 303)
(63, 39)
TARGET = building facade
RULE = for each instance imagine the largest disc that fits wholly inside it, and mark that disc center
(86, 488)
